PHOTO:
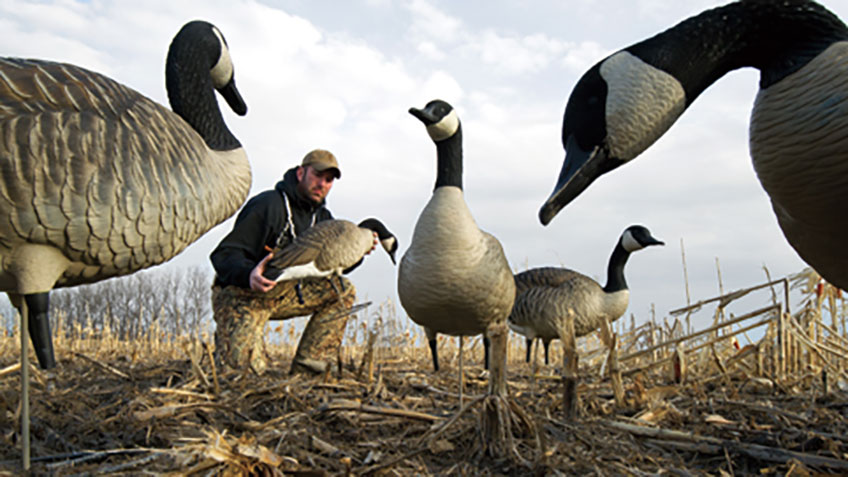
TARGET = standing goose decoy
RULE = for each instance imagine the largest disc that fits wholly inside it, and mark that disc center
(548, 296)
(799, 124)
(454, 278)
(97, 181)
(329, 248)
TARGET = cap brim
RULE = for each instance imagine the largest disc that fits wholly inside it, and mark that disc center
(322, 168)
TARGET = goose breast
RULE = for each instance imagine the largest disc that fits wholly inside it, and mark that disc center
(803, 164)
(454, 278)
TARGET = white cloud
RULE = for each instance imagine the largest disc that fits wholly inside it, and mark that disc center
(430, 50)
(517, 55)
(433, 24)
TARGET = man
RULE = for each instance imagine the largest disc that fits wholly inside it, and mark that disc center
(243, 300)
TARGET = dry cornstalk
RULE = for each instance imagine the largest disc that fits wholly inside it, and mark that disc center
(345, 405)
(115, 371)
(715, 444)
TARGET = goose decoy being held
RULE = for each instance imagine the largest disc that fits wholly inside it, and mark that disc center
(99, 181)
(548, 296)
(799, 124)
(454, 278)
(329, 248)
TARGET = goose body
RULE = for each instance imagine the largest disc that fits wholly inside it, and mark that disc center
(549, 296)
(450, 269)
(97, 181)
(454, 278)
(799, 123)
(328, 248)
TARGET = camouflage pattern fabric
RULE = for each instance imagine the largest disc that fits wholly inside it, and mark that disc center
(241, 314)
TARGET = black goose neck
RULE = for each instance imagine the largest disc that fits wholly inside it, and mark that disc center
(190, 89)
(449, 161)
(778, 38)
(615, 269)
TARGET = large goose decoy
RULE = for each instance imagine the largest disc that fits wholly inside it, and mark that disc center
(454, 278)
(799, 124)
(328, 249)
(97, 180)
(547, 296)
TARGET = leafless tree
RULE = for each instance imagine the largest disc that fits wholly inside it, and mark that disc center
(178, 299)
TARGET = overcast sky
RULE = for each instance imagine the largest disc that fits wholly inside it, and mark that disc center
(342, 75)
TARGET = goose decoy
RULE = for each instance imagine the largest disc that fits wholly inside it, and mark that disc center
(454, 278)
(327, 249)
(799, 124)
(547, 296)
(97, 181)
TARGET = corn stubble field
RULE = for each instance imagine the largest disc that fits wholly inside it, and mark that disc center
(753, 392)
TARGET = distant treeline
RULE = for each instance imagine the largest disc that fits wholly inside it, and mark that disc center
(177, 300)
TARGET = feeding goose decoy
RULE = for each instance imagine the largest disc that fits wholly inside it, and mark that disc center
(547, 296)
(329, 248)
(799, 123)
(99, 181)
(454, 278)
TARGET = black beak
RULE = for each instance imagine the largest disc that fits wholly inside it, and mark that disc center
(424, 115)
(233, 97)
(579, 169)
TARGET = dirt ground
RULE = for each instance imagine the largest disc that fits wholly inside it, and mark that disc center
(397, 417)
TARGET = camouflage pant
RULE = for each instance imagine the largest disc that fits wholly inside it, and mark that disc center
(241, 314)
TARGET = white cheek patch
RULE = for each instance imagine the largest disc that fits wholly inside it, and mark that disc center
(630, 243)
(445, 128)
(222, 72)
(642, 103)
(389, 242)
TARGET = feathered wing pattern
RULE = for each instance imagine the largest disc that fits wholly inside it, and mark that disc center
(543, 276)
(77, 174)
(331, 244)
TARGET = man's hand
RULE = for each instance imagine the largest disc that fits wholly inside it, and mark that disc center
(376, 241)
(259, 282)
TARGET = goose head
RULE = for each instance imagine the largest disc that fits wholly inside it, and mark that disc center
(637, 237)
(387, 239)
(199, 62)
(616, 111)
(440, 119)
(445, 130)
(628, 100)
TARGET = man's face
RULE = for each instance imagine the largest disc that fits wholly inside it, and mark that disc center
(314, 185)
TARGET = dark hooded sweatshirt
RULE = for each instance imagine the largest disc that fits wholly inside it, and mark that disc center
(262, 222)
